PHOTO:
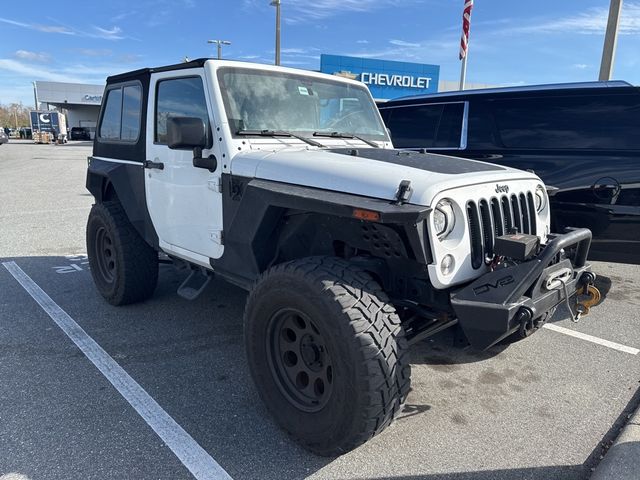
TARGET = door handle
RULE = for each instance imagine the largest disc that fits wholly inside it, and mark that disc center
(156, 165)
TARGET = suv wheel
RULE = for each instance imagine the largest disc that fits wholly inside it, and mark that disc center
(124, 267)
(327, 352)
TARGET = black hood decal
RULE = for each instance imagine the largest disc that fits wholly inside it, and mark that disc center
(424, 161)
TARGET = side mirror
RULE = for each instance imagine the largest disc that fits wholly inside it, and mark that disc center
(186, 133)
(189, 133)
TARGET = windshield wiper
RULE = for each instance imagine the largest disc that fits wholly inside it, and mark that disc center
(345, 135)
(280, 133)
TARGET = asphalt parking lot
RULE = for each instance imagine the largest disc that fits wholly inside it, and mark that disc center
(543, 408)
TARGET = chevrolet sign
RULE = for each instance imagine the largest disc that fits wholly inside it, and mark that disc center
(384, 79)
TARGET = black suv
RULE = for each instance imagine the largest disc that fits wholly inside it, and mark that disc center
(80, 133)
(583, 139)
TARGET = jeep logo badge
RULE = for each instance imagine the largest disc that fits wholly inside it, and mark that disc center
(502, 188)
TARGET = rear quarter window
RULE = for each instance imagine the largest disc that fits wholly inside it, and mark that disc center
(121, 114)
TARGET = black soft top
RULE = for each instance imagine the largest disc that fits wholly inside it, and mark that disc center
(145, 72)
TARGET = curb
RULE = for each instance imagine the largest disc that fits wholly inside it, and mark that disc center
(622, 461)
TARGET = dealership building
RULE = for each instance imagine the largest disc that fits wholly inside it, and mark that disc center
(79, 102)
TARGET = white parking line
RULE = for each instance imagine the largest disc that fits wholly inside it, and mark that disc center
(188, 451)
(592, 339)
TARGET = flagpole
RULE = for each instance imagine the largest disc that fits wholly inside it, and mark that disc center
(463, 70)
(464, 40)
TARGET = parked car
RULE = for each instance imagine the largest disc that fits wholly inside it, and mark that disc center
(80, 133)
(581, 139)
(284, 182)
(4, 138)
(25, 133)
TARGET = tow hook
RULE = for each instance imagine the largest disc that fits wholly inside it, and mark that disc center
(527, 324)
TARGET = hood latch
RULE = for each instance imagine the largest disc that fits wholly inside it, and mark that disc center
(404, 192)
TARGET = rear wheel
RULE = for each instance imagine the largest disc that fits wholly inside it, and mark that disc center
(327, 352)
(124, 267)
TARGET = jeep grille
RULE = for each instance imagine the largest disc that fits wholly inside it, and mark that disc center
(497, 216)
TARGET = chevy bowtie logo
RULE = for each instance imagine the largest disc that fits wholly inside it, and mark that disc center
(502, 188)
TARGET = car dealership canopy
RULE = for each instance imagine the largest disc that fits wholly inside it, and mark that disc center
(80, 102)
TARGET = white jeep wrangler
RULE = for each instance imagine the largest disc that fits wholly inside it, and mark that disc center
(285, 183)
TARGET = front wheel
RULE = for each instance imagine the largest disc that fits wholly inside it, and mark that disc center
(327, 352)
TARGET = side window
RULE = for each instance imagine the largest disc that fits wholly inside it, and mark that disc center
(450, 128)
(179, 97)
(574, 122)
(385, 113)
(414, 126)
(482, 126)
(122, 111)
(131, 103)
(110, 125)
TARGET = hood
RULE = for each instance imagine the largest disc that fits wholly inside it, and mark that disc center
(371, 172)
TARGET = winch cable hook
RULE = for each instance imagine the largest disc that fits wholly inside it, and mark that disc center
(582, 308)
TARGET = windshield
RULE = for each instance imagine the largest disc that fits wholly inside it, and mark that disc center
(267, 100)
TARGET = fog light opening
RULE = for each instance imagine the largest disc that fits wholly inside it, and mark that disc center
(447, 264)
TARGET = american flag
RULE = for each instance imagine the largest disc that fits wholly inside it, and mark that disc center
(466, 26)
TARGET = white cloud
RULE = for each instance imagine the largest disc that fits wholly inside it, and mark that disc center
(294, 62)
(427, 51)
(41, 28)
(364, 42)
(300, 11)
(402, 43)
(593, 21)
(36, 73)
(113, 33)
(580, 66)
(32, 56)
(94, 52)
(294, 50)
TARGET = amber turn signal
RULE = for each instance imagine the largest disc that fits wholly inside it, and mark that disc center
(366, 215)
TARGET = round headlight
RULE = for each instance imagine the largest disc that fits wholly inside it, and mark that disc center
(541, 198)
(443, 218)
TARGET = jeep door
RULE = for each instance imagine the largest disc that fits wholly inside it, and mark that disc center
(184, 201)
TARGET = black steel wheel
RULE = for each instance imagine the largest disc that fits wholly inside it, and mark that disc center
(105, 255)
(327, 352)
(124, 267)
(299, 359)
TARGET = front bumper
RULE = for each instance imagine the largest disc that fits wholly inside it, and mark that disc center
(508, 299)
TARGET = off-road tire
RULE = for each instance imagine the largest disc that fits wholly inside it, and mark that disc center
(364, 340)
(133, 275)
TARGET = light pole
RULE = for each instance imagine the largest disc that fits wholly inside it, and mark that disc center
(35, 94)
(219, 43)
(276, 3)
(610, 41)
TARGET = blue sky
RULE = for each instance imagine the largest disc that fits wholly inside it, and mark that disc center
(512, 42)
